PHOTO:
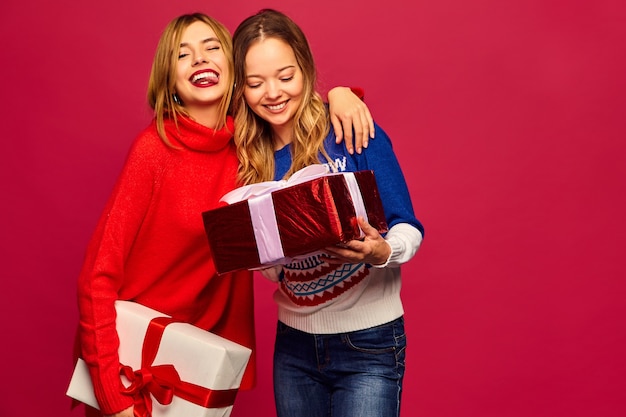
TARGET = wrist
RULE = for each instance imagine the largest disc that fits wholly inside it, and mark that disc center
(389, 251)
(335, 90)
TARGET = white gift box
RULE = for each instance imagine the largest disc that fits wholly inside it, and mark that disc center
(199, 357)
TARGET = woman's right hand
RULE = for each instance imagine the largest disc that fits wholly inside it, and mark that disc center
(124, 413)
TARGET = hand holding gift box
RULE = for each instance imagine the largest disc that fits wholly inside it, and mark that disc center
(275, 221)
(170, 368)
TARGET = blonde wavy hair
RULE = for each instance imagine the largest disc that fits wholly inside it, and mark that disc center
(162, 83)
(253, 135)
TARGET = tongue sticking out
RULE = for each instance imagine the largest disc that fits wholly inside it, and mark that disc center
(204, 78)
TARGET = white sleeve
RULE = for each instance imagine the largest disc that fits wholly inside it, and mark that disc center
(404, 241)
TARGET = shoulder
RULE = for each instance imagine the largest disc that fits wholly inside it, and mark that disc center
(380, 134)
(149, 142)
(147, 151)
(148, 138)
(331, 146)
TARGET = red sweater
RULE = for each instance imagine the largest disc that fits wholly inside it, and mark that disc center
(150, 247)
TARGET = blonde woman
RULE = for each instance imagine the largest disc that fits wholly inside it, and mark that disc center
(149, 245)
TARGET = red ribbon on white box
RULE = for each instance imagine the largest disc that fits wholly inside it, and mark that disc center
(261, 206)
(163, 382)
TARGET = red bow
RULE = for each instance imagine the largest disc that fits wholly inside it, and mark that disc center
(163, 382)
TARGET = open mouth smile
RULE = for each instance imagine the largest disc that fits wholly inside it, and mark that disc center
(276, 107)
(204, 78)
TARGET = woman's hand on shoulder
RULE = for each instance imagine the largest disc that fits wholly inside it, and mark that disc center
(347, 113)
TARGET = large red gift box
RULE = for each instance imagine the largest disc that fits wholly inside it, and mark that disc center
(277, 221)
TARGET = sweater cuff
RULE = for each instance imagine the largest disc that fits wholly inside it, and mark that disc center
(404, 240)
(110, 398)
(359, 92)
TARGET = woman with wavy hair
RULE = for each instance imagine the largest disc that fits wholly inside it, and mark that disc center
(150, 245)
(340, 341)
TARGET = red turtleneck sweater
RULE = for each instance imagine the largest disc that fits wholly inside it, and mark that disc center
(150, 247)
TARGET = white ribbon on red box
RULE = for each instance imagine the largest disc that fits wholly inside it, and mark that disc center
(261, 206)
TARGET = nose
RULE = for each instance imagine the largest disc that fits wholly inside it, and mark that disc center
(273, 90)
(199, 58)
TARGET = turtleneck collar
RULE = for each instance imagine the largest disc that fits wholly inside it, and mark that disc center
(198, 137)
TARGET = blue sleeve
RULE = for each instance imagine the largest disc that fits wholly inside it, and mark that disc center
(394, 193)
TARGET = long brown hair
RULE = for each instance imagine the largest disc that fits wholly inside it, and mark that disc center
(253, 135)
(161, 87)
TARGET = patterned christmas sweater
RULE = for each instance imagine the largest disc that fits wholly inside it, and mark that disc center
(318, 297)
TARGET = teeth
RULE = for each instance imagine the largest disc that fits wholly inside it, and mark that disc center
(203, 76)
(277, 106)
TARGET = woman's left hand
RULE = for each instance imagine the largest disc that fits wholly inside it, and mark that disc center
(272, 272)
(348, 112)
(372, 249)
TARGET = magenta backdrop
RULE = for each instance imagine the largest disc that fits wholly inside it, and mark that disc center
(507, 117)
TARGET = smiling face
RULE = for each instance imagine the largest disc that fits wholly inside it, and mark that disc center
(274, 85)
(202, 71)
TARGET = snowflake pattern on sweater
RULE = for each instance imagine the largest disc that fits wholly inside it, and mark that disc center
(311, 281)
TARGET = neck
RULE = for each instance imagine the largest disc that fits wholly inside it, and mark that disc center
(207, 116)
(283, 136)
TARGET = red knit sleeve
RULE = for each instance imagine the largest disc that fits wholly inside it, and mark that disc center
(359, 92)
(102, 274)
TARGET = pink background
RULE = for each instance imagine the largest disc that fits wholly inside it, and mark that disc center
(507, 117)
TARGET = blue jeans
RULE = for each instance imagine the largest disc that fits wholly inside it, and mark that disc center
(356, 374)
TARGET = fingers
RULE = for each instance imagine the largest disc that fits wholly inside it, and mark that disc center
(359, 122)
(363, 128)
(370, 125)
(347, 123)
(368, 229)
(334, 120)
(340, 255)
(339, 128)
(351, 119)
(124, 413)
(372, 249)
(360, 133)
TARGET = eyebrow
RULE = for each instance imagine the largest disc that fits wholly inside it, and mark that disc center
(204, 41)
(277, 71)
